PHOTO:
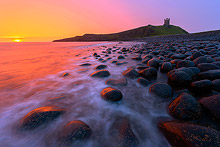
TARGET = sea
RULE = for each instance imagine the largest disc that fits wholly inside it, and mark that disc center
(31, 76)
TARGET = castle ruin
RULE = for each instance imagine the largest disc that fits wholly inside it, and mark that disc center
(167, 22)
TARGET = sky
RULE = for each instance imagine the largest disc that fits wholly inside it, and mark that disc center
(47, 20)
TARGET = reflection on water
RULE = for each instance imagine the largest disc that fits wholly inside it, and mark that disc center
(31, 77)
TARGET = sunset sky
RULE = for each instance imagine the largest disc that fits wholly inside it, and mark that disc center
(46, 20)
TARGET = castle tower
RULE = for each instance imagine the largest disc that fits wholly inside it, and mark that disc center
(167, 22)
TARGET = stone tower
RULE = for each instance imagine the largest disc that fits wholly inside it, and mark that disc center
(167, 22)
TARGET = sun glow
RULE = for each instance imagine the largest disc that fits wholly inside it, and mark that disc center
(17, 40)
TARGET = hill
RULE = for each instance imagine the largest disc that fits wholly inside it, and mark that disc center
(141, 32)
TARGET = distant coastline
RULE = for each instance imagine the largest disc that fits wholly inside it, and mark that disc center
(133, 34)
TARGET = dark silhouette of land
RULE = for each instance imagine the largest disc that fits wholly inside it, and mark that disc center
(138, 33)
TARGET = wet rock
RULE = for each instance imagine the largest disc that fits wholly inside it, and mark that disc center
(121, 63)
(202, 86)
(111, 94)
(95, 54)
(116, 82)
(131, 73)
(196, 55)
(166, 67)
(203, 59)
(121, 57)
(178, 56)
(101, 67)
(73, 131)
(145, 60)
(100, 73)
(122, 134)
(153, 63)
(207, 66)
(138, 58)
(65, 74)
(216, 85)
(185, 107)
(114, 61)
(179, 78)
(185, 63)
(85, 64)
(161, 89)
(40, 116)
(143, 81)
(148, 73)
(195, 70)
(185, 134)
(210, 74)
(212, 105)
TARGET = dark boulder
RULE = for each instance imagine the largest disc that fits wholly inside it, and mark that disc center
(148, 73)
(85, 64)
(122, 134)
(212, 105)
(101, 67)
(202, 86)
(185, 107)
(111, 94)
(210, 74)
(153, 63)
(101, 73)
(178, 56)
(138, 58)
(203, 59)
(117, 82)
(196, 55)
(216, 85)
(131, 73)
(161, 89)
(207, 66)
(195, 70)
(143, 81)
(121, 57)
(166, 67)
(185, 63)
(65, 74)
(73, 131)
(39, 116)
(185, 134)
(121, 63)
(179, 78)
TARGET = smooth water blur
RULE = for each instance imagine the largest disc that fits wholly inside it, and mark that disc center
(31, 77)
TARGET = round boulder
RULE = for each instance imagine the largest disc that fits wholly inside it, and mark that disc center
(74, 130)
(185, 107)
(210, 74)
(122, 134)
(101, 67)
(216, 85)
(148, 73)
(166, 67)
(40, 116)
(207, 66)
(153, 63)
(202, 86)
(111, 94)
(212, 105)
(100, 74)
(131, 73)
(161, 89)
(143, 81)
(179, 78)
(181, 134)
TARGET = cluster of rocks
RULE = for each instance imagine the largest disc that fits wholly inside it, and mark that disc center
(192, 67)
(193, 71)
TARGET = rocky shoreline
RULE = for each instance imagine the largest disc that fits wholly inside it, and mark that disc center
(192, 66)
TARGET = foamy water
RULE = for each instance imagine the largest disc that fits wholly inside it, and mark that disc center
(30, 77)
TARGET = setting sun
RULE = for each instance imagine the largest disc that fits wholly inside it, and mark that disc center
(17, 40)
